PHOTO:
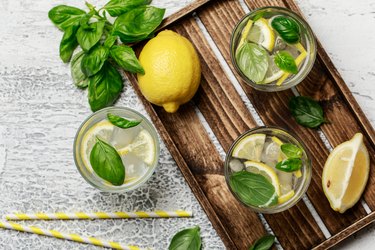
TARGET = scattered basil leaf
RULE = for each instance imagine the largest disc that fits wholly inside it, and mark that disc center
(137, 24)
(125, 57)
(285, 61)
(287, 28)
(118, 7)
(107, 163)
(68, 43)
(252, 60)
(289, 165)
(121, 122)
(64, 16)
(79, 78)
(253, 189)
(291, 150)
(306, 111)
(110, 41)
(187, 239)
(264, 243)
(88, 37)
(94, 60)
(104, 87)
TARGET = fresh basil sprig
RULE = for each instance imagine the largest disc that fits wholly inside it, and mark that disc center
(107, 163)
(187, 239)
(253, 189)
(291, 150)
(285, 61)
(306, 111)
(122, 122)
(289, 165)
(98, 38)
(287, 27)
(264, 243)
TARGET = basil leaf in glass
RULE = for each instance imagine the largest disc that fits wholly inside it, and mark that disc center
(137, 24)
(118, 7)
(104, 87)
(107, 163)
(287, 27)
(125, 57)
(64, 16)
(187, 239)
(79, 78)
(289, 165)
(121, 122)
(68, 43)
(264, 243)
(285, 61)
(89, 36)
(94, 60)
(253, 189)
(252, 60)
(291, 150)
(306, 111)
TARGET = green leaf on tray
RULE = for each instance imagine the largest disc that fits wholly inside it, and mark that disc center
(306, 111)
(94, 60)
(291, 150)
(68, 43)
(121, 122)
(79, 78)
(289, 165)
(285, 61)
(107, 163)
(125, 57)
(187, 239)
(253, 189)
(252, 60)
(64, 16)
(118, 7)
(264, 243)
(287, 27)
(89, 36)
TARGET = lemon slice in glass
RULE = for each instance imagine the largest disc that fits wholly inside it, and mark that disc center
(285, 197)
(261, 33)
(245, 32)
(265, 170)
(345, 173)
(250, 147)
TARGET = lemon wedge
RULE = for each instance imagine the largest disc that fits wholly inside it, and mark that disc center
(266, 171)
(345, 173)
(261, 33)
(250, 147)
(285, 197)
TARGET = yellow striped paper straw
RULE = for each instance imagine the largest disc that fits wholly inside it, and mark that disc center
(71, 237)
(98, 215)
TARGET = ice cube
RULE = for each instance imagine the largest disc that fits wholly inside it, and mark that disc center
(279, 44)
(123, 137)
(134, 167)
(286, 181)
(236, 165)
(270, 153)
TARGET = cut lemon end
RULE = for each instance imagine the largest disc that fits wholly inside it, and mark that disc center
(265, 170)
(250, 147)
(345, 174)
(277, 140)
(285, 197)
(297, 174)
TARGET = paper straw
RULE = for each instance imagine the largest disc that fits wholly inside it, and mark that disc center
(71, 237)
(97, 215)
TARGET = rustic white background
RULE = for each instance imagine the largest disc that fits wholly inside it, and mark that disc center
(40, 111)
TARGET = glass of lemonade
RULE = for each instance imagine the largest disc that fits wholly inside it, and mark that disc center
(268, 169)
(272, 49)
(138, 147)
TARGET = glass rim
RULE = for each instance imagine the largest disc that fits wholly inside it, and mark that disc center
(122, 188)
(303, 186)
(292, 82)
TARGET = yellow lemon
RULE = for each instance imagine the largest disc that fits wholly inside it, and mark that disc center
(172, 70)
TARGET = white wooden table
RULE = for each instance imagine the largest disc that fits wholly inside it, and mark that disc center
(40, 111)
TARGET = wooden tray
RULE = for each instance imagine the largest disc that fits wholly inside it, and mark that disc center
(220, 103)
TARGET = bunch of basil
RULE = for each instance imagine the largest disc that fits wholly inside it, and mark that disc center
(94, 66)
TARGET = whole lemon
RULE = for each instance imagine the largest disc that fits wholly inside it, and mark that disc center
(172, 70)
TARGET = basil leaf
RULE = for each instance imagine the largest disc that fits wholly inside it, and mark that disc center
(64, 16)
(287, 28)
(285, 61)
(110, 41)
(93, 61)
(253, 189)
(107, 163)
(252, 60)
(104, 87)
(291, 150)
(137, 24)
(68, 43)
(264, 243)
(79, 79)
(89, 36)
(121, 122)
(289, 165)
(125, 57)
(187, 239)
(306, 111)
(118, 7)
